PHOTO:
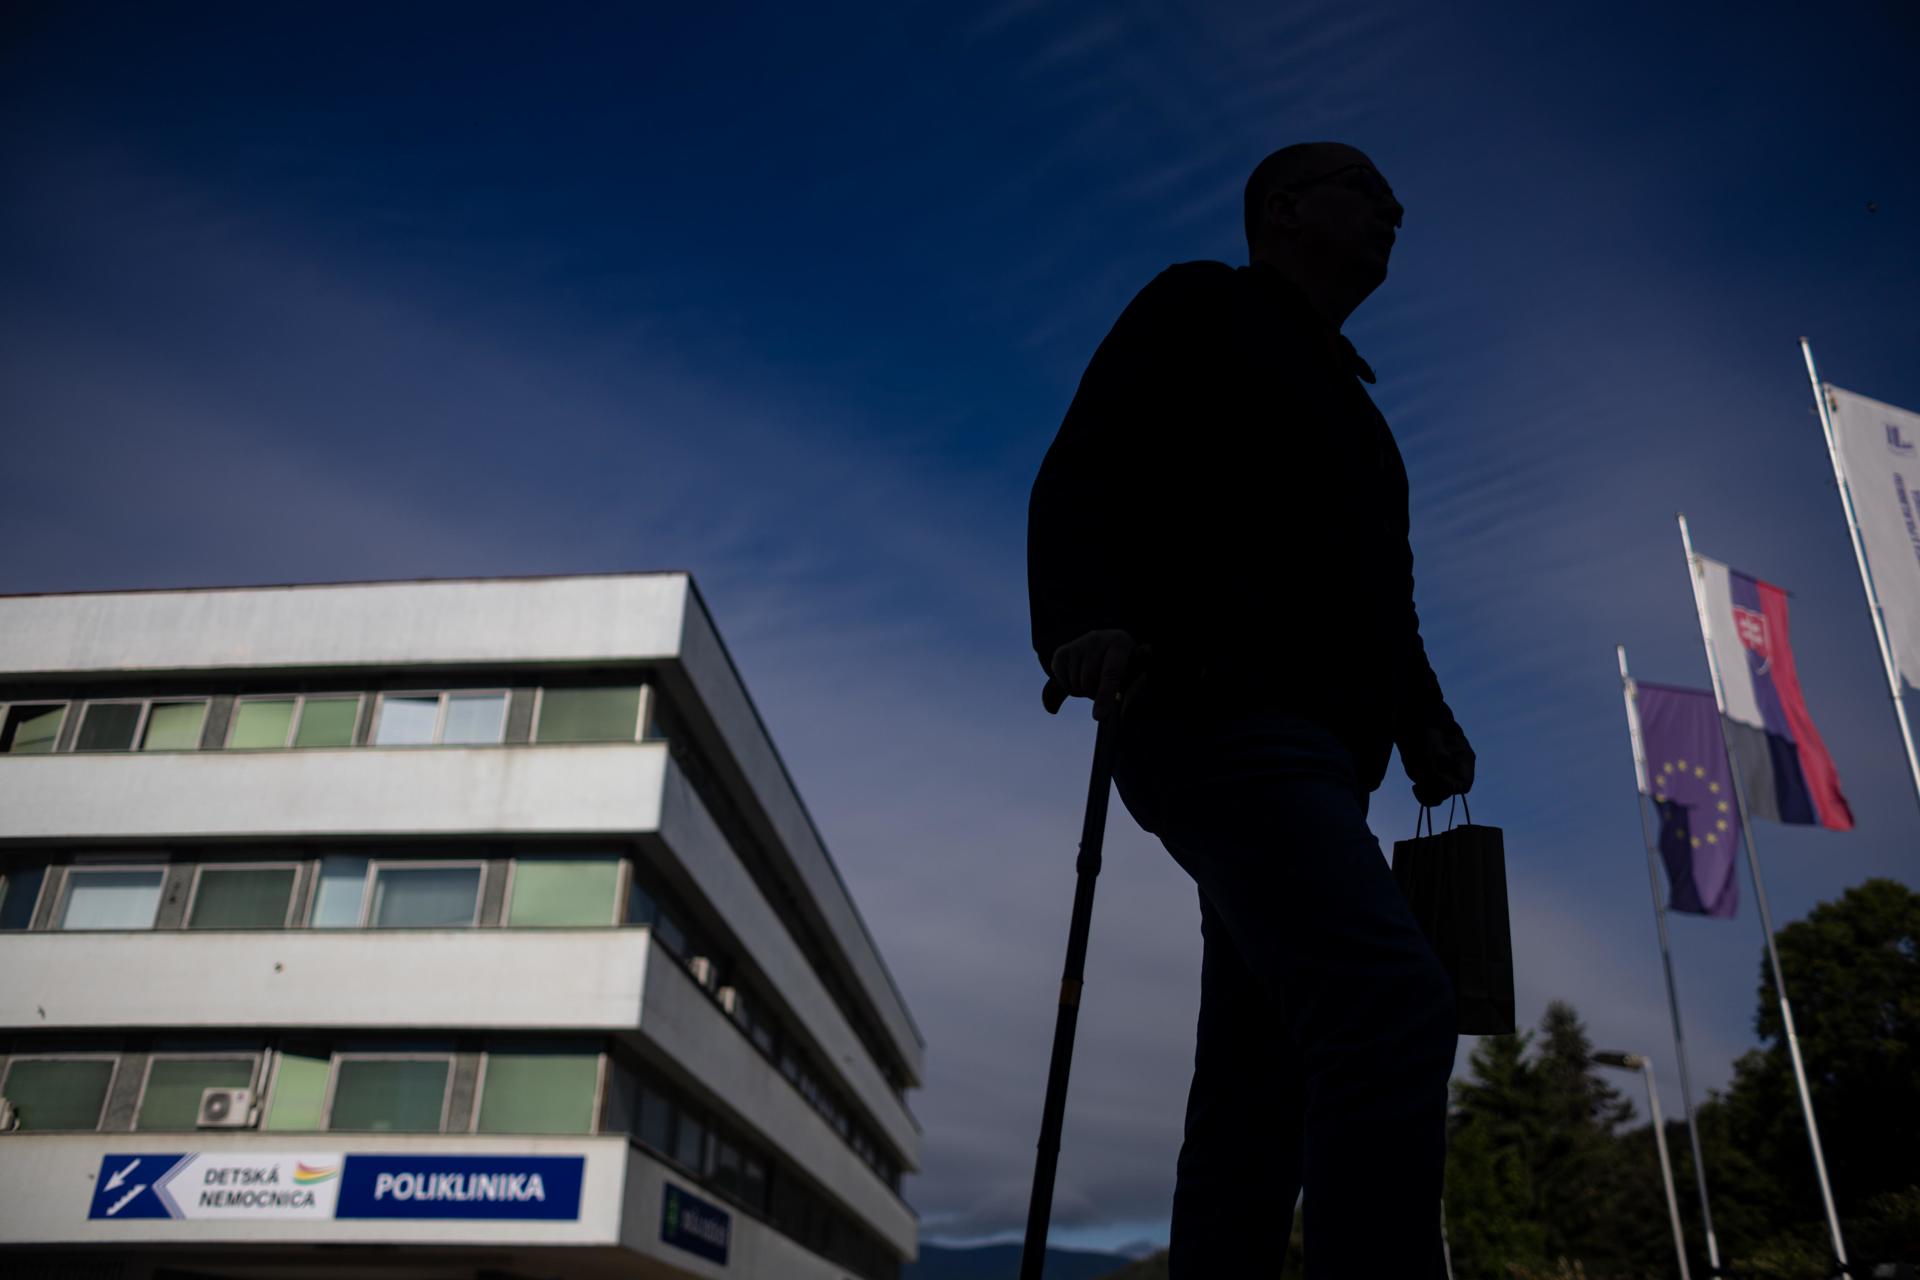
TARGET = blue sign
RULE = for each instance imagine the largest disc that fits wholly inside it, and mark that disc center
(690, 1223)
(126, 1185)
(379, 1186)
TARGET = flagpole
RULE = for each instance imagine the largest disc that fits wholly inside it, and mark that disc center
(1874, 609)
(1631, 694)
(1760, 901)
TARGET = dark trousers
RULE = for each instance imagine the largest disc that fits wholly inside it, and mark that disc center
(1326, 1033)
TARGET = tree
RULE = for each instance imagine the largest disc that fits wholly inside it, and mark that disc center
(1853, 972)
(1497, 1132)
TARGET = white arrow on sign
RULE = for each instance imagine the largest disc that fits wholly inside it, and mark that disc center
(121, 1176)
(127, 1199)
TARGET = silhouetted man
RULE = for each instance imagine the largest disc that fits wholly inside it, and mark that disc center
(1224, 494)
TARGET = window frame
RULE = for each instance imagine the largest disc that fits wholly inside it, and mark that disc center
(622, 886)
(205, 702)
(177, 1055)
(342, 1056)
(113, 1077)
(439, 716)
(233, 719)
(201, 868)
(374, 865)
(276, 1053)
(139, 725)
(643, 706)
(66, 707)
(39, 890)
(601, 1080)
(58, 917)
(359, 697)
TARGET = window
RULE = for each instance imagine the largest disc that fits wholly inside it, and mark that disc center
(406, 721)
(299, 1099)
(19, 894)
(327, 722)
(241, 897)
(474, 718)
(690, 1142)
(589, 715)
(424, 895)
(339, 900)
(171, 1098)
(261, 722)
(58, 1093)
(746, 1012)
(563, 891)
(390, 1094)
(111, 897)
(174, 726)
(726, 1166)
(538, 1091)
(31, 729)
(298, 720)
(644, 909)
(656, 1121)
(753, 1183)
(455, 719)
(108, 726)
(159, 726)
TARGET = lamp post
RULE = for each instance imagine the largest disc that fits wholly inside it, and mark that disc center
(1639, 1062)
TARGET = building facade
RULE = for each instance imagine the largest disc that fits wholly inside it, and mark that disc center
(455, 928)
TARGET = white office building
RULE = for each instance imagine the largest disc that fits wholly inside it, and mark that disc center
(426, 929)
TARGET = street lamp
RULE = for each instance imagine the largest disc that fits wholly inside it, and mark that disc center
(1638, 1062)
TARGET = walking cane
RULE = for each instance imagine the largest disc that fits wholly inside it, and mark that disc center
(1033, 1254)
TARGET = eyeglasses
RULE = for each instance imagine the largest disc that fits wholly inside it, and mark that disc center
(1378, 186)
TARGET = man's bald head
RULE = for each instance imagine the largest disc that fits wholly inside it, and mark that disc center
(1292, 169)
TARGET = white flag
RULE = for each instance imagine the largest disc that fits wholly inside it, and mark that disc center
(1880, 456)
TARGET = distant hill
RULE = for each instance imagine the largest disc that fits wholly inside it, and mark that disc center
(1151, 1267)
(1002, 1262)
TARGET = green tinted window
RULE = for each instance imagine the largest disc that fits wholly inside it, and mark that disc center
(389, 1096)
(30, 731)
(327, 722)
(174, 1085)
(299, 1092)
(589, 715)
(108, 726)
(261, 722)
(563, 891)
(58, 1094)
(242, 898)
(174, 726)
(539, 1093)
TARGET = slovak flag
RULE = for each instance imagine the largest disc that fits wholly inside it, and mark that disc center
(1784, 767)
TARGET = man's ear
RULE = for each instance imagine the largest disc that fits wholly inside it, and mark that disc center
(1281, 216)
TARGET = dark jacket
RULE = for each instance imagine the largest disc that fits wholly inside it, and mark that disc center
(1224, 490)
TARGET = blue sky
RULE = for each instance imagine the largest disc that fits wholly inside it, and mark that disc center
(794, 296)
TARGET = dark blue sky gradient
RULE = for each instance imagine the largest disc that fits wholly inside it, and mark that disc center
(794, 296)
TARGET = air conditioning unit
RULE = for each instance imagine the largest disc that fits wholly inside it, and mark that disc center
(226, 1109)
(9, 1116)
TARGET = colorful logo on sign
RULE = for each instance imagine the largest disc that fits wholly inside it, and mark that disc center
(306, 1175)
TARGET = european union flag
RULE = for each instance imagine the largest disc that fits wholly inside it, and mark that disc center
(1692, 789)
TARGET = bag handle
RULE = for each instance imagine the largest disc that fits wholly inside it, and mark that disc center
(1426, 813)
